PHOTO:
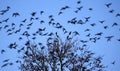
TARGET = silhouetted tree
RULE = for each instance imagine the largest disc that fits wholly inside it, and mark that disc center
(60, 55)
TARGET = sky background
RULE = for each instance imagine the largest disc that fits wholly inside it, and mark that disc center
(110, 50)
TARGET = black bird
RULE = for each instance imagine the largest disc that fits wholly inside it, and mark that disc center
(42, 21)
(30, 24)
(79, 8)
(31, 18)
(10, 34)
(109, 38)
(76, 33)
(87, 19)
(78, 2)
(4, 65)
(118, 15)
(99, 34)
(10, 63)
(113, 62)
(13, 45)
(87, 30)
(24, 20)
(50, 16)
(65, 7)
(108, 4)
(13, 24)
(111, 11)
(15, 14)
(33, 13)
(21, 25)
(90, 9)
(41, 12)
(105, 27)
(60, 13)
(93, 24)
(102, 21)
(50, 34)
(83, 41)
(6, 60)
(114, 24)
(2, 51)
(6, 20)
(88, 35)
(20, 38)
(118, 39)
(6, 26)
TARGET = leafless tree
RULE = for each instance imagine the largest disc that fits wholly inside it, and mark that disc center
(59, 55)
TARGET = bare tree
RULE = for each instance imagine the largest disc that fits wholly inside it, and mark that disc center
(60, 55)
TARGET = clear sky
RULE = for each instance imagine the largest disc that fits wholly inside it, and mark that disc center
(100, 12)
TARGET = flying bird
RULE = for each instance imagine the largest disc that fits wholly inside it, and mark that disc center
(108, 5)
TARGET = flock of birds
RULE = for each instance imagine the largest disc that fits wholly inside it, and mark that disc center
(23, 29)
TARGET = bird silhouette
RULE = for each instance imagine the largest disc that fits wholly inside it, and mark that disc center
(113, 63)
(90, 9)
(2, 51)
(99, 34)
(102, 21)
(109, 38)
(108, 5)
(24, 20)
(6, 20)
(15, 14)
(4, 65)
(114, 24)
(118, 15)
(105, 27)
(41, 12)
(78, 2)
(111, 11)
(6, 60)
(33, 13)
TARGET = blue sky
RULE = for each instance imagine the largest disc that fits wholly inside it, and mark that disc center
(110, 50)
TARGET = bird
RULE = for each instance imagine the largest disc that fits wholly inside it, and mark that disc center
(15, 14)
(108, 5)
(114, 24)
(118, 39)
(99, 34)
(33, 13)
(78, 2)
(60, 13)
(13, 45)
(30, 24)
(90, 9)
(41, 12)
(88, 35)
(6, 20)
(111, 11)
(113, 63)
(4, 65)
(50, 16)
(42, 21)
(87, 30)
(102, 21)
(118, 15)
(24, 20)
(87, 19)
(2, 51)
(105, 27)
(6, 60)
(109, 38)
(93, 24)
(76, 33)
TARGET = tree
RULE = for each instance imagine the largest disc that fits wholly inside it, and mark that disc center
(60, 56)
